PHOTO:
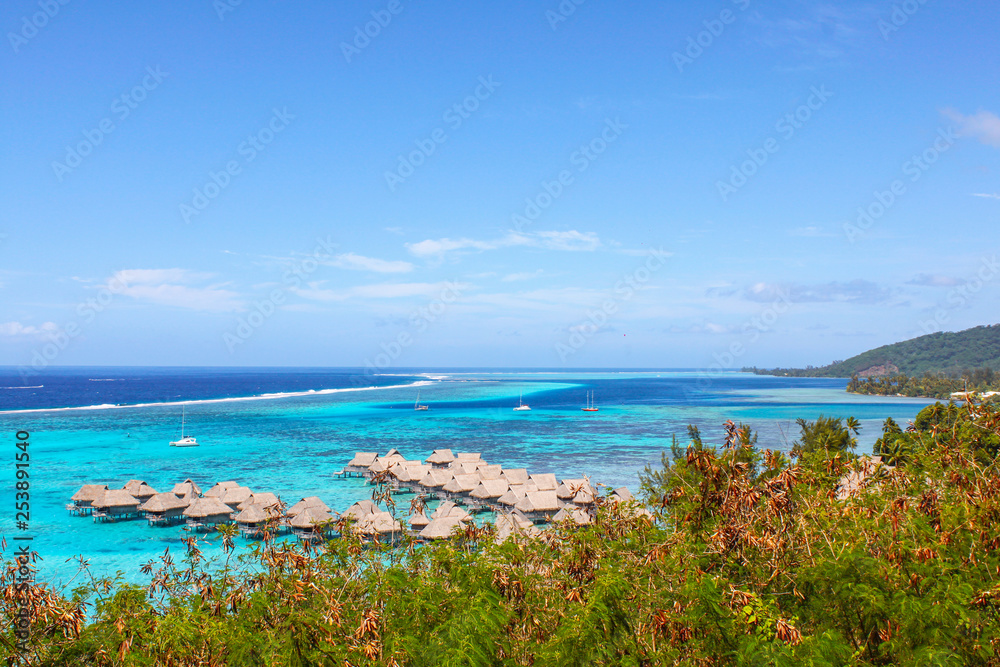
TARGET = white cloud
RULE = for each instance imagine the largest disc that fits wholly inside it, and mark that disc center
(361, 263)
(572, 241)
(173, 287)
(810, 232)
(982, 126)
(315, 291)
(986, 195)
(17, 329)
(527, 275)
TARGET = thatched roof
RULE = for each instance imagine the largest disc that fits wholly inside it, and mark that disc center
(464, 467)
(220, 489)
(381, 465)
(508, 524)
(139, 489)
(539, 501)
(393, 452)
(186, 488)
(361, 509)
(439, 529)
(379, 523)
(579, 516)
(441, 457)
(419, 520)
(622, 494)
(462, 483)
(585, 496)
(116, 498)
(363, 459)
(310, 517)
(265, 499)
(447, 509)
(311, 501)
(469, 456)
(545, 481)
(89, 492)
(490, 488)
(207, 506)
(516, 475)
(570, 487)
(488, 471)
(435, 478)
(256, 514)
(163, 502)
(236, 495)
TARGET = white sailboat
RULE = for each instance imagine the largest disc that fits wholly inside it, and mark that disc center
(417, 406)
(521, 407)
(186, 440)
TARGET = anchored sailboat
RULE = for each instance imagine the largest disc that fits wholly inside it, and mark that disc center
(417, 406)
(590, 403)
(521, 407)
(186, 440)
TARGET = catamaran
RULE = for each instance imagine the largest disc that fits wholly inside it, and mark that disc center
(590, 403)
(186, 440)
(417, 406)
(521, 407)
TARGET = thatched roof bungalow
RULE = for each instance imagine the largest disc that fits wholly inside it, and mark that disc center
(545, 481)
(219, 490)
(449, 508)
(489, 489)
(265, 499)
(360, 510)
(117, 504)
(539, 505)
(418, 520)
(379, 525)
(254, 519)
(461, 485)
(305, 503)
(515, 475)
(236, 495)
(435, 479)
(509, 524)
(139, 489)
(361, 462)
(207, 511)
(489, 471)
(186, 488)
(441, 458)
(88, 493)
(441, 529)
(164, 508)
(579, 515)
(570, 487)
(309, 523)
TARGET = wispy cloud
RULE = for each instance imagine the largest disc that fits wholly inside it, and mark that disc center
(16, 329)
(986, 195)
(933, 280)
(526, 275)
(570, 241)
(982, 126)
(177, 288)
(854, 291)
(355, 262)
(317, 292)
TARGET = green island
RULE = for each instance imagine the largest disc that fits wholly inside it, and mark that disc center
(736, 554)
(937, 365)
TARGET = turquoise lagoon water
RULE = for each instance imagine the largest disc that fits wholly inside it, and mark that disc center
(292, 445)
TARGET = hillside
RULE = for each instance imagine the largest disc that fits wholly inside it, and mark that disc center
(941, 353)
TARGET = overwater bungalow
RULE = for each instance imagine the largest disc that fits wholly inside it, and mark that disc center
(539, 506)
(265, 499)
(115, 505)
(434, 480)
(489, 471)
(360, 510)
(509, 524)
(442, 528)
(515, 492)
(311, 523)
(465, 467)
(441, 458)
(236, 495)
(205, 513)
(460, 485)
(488, 491)
(570, 487)
(139, 489)
(255, 520)
(380, 525)
(220, 489)
(448, 508)
(621, 494)
(418, 520)
(164, 509)
(545, 481)
(468, 456)
(311, 501)
(83, 500)
(187, 488)
(515, 475)
(578, 515)
(585, 495)
(359, 465)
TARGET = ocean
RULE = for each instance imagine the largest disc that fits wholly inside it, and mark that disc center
(287, 430)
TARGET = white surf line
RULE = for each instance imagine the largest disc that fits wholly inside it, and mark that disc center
(204, 401)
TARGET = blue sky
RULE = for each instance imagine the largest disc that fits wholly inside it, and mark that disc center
(641, 184)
